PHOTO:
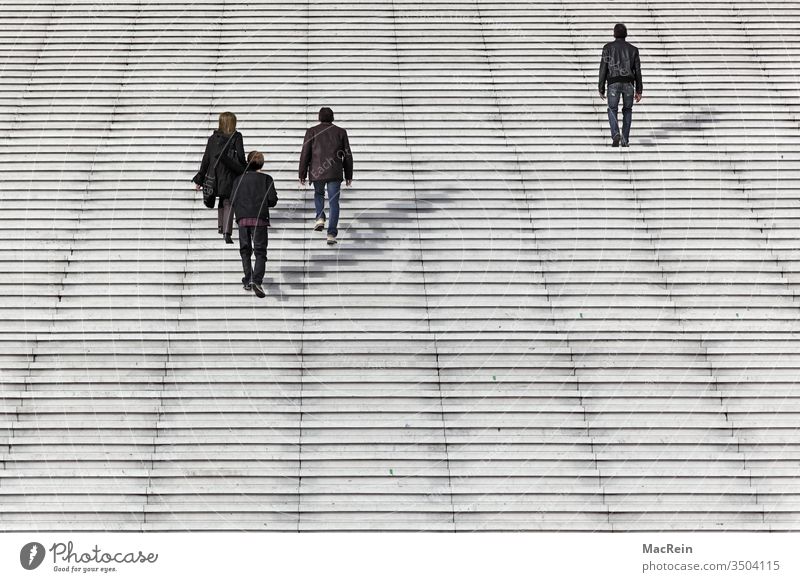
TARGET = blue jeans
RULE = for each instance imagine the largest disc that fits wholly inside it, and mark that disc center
(615, 91)
(333, 201)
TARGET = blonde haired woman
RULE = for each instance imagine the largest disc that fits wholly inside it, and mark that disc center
(224, 161)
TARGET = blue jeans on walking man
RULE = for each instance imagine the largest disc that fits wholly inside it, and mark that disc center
(615, 91)
(333, 201)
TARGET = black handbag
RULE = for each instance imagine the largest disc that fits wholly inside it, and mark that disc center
(209, 192)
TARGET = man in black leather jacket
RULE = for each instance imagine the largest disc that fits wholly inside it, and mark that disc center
(325, 159)
(621, 69)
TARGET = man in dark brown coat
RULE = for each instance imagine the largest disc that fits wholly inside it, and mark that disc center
(325, 157)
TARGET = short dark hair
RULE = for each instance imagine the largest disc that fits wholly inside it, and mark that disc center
(326, 115)
(620, 31)
(255, 160)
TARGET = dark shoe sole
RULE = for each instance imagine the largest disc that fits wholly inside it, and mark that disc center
(259, 291)
(332, 242)
(319, 227)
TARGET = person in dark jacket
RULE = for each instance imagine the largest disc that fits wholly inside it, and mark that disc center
(621, 69)
(252, 196)
(224, 159)
(324, 158)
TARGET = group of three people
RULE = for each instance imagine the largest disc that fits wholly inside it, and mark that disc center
(326, 160)
(247, 194)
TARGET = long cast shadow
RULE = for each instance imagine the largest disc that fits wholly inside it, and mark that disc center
(701, 120)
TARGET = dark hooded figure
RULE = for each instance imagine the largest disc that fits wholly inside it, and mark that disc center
(621, 69)
(224, 160)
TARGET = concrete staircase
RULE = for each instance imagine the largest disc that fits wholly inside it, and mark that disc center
(521, 328)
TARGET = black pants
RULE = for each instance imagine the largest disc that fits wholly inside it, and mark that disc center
(253, 239)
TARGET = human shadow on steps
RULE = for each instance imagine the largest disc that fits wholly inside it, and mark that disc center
(695, 123)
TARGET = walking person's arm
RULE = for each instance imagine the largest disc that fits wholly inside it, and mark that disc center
(601, 85)
(272, 194)
(305, 156)
(347, 160)
(200, 175)
(239, 153)
(637, 67)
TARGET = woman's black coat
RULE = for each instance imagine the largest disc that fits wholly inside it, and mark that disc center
(231, 164)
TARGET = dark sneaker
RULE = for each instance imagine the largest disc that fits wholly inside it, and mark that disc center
(331, 239)
(258, 290)
(228, 239)
(247, 287)
(615, 141)
(626, 144)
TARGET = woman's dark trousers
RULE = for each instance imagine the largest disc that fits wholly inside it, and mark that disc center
(223, 210)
